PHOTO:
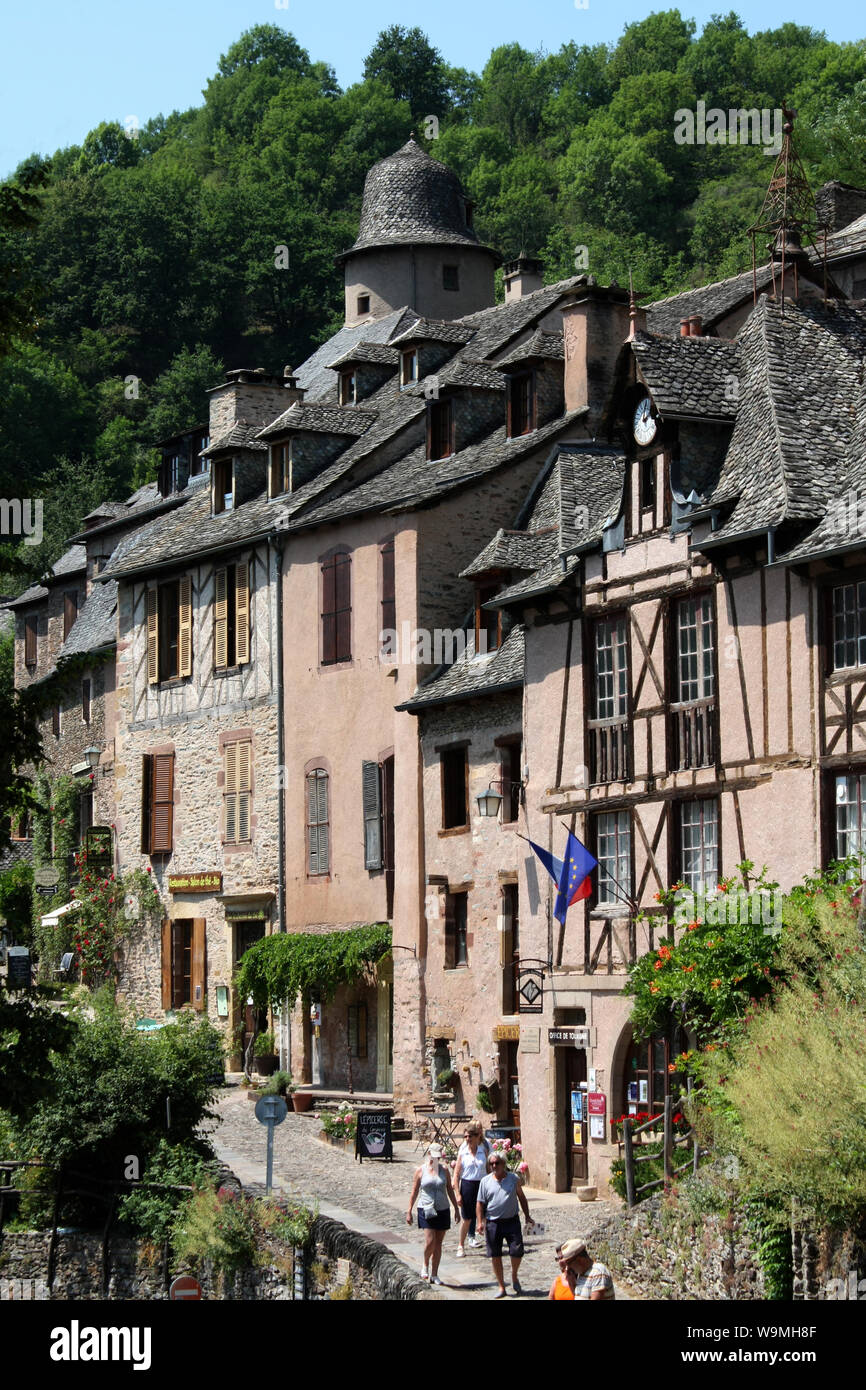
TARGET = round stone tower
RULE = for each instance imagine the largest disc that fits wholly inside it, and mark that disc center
(415, 244)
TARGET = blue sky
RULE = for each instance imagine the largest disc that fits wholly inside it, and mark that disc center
(67, 66)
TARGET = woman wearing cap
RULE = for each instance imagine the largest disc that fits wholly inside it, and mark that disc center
(433, 1190)
(562, 1288)
(473, 1158)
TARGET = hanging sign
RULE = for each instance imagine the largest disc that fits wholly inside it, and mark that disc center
(195, 883)
(373, 1135)
(596, 1102)
(568, 1037)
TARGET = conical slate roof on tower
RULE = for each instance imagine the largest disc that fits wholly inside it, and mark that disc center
(410, 198)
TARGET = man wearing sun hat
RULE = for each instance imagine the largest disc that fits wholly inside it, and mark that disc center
(593, 1280)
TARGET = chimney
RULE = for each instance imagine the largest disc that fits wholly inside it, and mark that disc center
(696, 326)
(685, 328)
(595, 325)
(839, 204)
(251, 395)
(522, 277)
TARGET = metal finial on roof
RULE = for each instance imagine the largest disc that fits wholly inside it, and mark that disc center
(632, 308)
(788, 214)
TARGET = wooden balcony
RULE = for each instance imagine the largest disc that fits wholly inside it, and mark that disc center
(608, 750)
(694, 742)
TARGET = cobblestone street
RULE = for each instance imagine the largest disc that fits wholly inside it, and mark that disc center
(372, 1198)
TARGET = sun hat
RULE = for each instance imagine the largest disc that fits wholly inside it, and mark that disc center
(435, 1151)
(572, 1248)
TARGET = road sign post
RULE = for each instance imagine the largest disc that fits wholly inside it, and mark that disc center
(270, 1111)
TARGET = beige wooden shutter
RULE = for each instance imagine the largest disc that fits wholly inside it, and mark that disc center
(312, 827)
(184, 636)
(244, 758)
(324, 845)
(231, 793)
(220, 619)
(152, 637)
(162, 821)
(166, 963)
(199, 962)
(242, 613)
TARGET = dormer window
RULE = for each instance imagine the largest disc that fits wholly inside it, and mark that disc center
(408, 367)
(521, 405)
(281, 469)
(363, 304)
(451, 277)
(223, 486)
(440, 430)
(197, 463)
(348, 388)
(488, 621)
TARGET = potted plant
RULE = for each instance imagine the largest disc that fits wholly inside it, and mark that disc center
(488, 1098)
(265, 1055)
(302, 1100)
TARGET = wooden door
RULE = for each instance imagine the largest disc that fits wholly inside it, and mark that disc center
(574, 1103)
(512, 1094)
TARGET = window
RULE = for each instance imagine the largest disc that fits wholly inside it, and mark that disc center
(440, 443)
(363, 304)
(521, 404)
(356, 1028)
(611, 669)
(695, 656)
(510, 948)
(169, 631)
(237, 793)
(85, 812)
(613, 852)
(455, 930)
(336, 609)
(231, 628)
(318, 830)
(699, 845)
(849, 626)
(488, 621)
(157, 803)
(388, 610)
(850, 822)
(85, 700)
(70, 612)
(450, 277)
(371, 792)
(184, 960)
(647, 484)
(197, 464)
(281, 468)
(454, 765)
(22, 826)
(647, 1073)
(348, 388)
(223, 487)
(408, 367)
(55, 720)
(31, 633)
(511, 780)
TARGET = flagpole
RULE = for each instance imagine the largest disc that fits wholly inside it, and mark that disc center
(630, 902)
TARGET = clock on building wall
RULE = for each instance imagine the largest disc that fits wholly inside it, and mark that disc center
(645, 424)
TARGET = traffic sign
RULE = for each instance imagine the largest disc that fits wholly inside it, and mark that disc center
(271, 1110)
(185, 1287)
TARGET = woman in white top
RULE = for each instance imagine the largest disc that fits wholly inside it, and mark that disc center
(473, 1161)
(432, 1187)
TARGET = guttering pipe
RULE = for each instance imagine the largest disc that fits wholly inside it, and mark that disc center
(771, 545)
(277, 538)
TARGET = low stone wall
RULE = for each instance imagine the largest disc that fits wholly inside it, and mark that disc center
(343, 1264)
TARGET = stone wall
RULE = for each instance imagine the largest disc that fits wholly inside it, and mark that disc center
(340, 1257)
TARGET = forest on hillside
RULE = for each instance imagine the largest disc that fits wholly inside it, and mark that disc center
(133, 269)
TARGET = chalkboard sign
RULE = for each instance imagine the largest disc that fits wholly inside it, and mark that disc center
(18, 964)
(373, 1135)
(499, 1132)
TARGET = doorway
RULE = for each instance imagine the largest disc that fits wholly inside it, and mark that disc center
(247, 1020)
(512, 1089)
(574, 1116)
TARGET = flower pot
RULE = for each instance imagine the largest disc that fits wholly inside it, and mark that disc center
(303, 1100)
(266, 1066)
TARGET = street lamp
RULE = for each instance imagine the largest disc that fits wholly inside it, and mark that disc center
(93, 755)
(489, 802)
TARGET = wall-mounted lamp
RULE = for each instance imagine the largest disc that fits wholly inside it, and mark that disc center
(93, 755)
(490, 801)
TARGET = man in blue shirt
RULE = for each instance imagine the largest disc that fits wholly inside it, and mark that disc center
(498, 1220)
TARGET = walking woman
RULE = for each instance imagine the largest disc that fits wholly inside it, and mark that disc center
(473, 1158)
(433, 1190)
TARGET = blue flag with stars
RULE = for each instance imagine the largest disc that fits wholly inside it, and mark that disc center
(571, 875)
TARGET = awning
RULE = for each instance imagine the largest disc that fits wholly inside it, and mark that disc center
(51, 919)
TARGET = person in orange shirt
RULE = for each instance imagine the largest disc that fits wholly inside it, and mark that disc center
(562, 1288)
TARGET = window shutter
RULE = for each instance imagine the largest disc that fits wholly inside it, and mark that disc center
(70, 612)
(242, 613)
(199, 962)
(178, 991)
(506, 938)
(450, 934)
(163, 803)
(152, 637)
(371, 785)
(220, 619)
(324, 839)
(231, 793)
(343, 599)
(389, 613)
(146, 802)
(312, 826)
(166, 963)
(184, 637)
(329, 618)
(244, 752)
(31, 627)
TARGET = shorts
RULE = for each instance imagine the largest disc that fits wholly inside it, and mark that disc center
(439, 1221)
(507, 1229)
(469, 1198)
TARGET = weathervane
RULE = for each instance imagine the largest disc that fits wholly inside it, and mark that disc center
(788, 214)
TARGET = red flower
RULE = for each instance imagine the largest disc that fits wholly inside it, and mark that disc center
(149, 869)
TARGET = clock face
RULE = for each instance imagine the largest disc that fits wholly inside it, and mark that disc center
(645, 423)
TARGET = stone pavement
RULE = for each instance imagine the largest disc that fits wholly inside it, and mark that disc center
(372, 1198)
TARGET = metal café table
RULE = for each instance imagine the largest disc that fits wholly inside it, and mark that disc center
(445, 1124)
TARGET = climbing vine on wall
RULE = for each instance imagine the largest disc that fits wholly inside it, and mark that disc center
(287, 964)
(55, 821)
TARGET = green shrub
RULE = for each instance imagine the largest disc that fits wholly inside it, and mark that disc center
(150, 1212)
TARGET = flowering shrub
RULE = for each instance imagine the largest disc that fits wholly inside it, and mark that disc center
(512, 1153)
(339, 1125)
(105, 915)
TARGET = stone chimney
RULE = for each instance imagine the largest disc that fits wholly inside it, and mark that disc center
(839, 204)
(522, 277)
(595, 324)
(252, 396)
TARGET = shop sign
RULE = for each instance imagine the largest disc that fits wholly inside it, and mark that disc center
(373, 1135)
(568, 1037)
(195, 883)
(597, 1102)
(506, 1032)
(247, 914)
(530, 1040)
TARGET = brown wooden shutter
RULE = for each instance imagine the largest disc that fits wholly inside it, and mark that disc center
(146, 803)
(450, 933)
(70, 612)
(220, 619)
(178, 984)
(371, 795)
(242, 613)
(31, 628)
(343, 592)
(152, 637)
(166, 963)
(184, 637)
(244, 771)
(199, 962)
(329, 617)
(162, 821)
(389, 608)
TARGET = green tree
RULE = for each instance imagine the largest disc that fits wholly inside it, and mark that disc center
(412, 69)
(20, 201)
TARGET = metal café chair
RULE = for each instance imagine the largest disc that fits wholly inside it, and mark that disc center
(422, 1125)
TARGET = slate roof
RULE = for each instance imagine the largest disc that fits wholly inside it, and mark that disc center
(72, 561)
(379, 353)
(350, 420)
(411, 198)
(712, 302)
(143, 503)
(96, 624)
(843, 527)
(463, 371)
(242, 435)
(848, 241)
(470, 677)
(540, 347)
(191, 530)
(433, 331)
(315, 376)
(513, 550)
(689, 377)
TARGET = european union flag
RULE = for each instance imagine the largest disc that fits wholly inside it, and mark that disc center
(570, 875)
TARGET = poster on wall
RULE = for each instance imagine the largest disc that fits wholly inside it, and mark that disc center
(644, 1095)
(596, 1126)
(577, 1106)
(577, 1131)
